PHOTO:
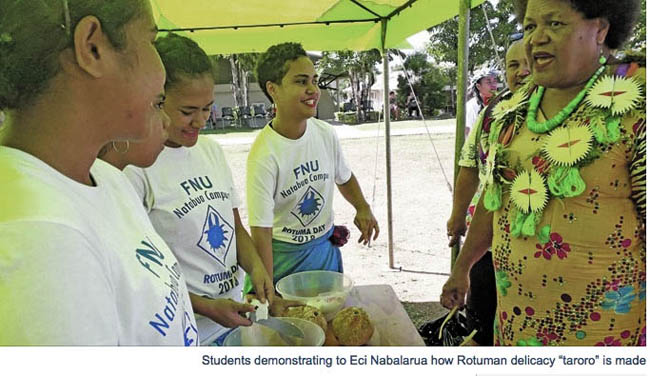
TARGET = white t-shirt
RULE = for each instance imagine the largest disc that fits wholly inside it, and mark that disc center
(472, 109)
(190, 196)
(290, 183)
(83, 265)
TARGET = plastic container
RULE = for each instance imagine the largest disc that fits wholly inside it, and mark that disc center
(323, 289)
(260, 335)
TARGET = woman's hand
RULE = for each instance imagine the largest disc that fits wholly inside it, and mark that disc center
(279, 306)
(455, 290)
(456, 228)
(262, 283)
(367, 224)
(364, 220)
(225, 312)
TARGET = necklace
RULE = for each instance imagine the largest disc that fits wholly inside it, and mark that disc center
(561, 116)
(543, 113)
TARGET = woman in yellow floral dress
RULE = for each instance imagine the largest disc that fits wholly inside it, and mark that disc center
(565, 192)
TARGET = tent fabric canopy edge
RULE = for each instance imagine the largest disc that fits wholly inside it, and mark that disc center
(221, 31)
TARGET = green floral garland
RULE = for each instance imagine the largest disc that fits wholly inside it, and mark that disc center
(550, 124)
(561, 180)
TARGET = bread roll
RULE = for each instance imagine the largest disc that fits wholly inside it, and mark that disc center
(352, 327)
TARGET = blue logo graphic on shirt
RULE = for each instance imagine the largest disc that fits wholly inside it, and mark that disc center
(309, 206)
(190, 333)
(216, 236)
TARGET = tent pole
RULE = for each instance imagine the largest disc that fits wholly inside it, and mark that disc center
(389, 194)
(389, 189)
(461, 91)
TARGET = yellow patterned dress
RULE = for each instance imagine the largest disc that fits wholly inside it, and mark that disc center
(569, 219)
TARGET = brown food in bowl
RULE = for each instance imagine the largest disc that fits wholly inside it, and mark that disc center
(308, 313)
(352, 327)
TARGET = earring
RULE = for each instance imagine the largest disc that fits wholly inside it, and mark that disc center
(118, 150)
(602, 59)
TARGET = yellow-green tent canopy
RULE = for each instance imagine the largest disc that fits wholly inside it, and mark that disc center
(226, 27)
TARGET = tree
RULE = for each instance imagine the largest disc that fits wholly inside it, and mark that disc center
(638, 40)
(444, 37)
(360, 70)
(242, 66)
(241, 70)
(428, 80)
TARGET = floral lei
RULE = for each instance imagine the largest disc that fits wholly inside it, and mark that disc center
(582, 139)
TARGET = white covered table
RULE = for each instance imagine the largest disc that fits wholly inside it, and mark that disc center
(387, 315)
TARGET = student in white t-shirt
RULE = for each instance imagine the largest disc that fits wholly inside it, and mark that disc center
(81, 263)
(292, 169)
(193, 202)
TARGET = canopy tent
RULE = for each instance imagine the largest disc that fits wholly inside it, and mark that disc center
(325, 25)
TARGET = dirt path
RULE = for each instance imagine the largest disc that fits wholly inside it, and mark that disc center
(421, 205)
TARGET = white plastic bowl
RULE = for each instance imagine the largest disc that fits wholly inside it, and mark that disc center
(323, 289)
(260, 335)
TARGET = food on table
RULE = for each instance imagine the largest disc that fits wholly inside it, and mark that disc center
(352, 327)
(330, 338)
(307, 313)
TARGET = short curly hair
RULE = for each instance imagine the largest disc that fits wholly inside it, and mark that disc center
(182, 58)
(272, 65)
(621, 14)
